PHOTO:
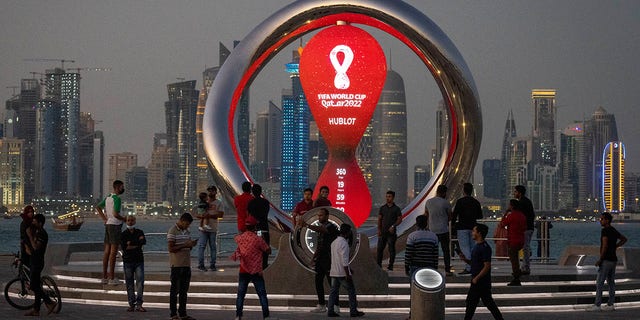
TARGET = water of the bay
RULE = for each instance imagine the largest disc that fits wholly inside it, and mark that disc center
(562, 234)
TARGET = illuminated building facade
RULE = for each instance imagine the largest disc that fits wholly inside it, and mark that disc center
(295, 138)
(613, 194)
(11, 174)
(544, 121)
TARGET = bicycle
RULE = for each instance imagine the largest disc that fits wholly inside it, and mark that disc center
(18, 292)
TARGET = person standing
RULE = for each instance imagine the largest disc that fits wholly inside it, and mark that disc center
(37, 246)
(259, 208)
(327, 232)
(389, 217)
(516, 224)
(480, 275)
(303, 206)
(109, 211)
(27, 221)
(241, 202)
(323, 198)
(422, 248)
(438, 212)
(526, 207)
(180, 244)
(132, 239)
(208, 235)
(249, 252)
(341, 273)
(466, 213)
(610, 240)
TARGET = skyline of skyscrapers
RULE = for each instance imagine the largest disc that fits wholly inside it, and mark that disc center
(66, 151)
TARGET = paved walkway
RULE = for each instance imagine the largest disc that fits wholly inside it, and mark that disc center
(77, 309)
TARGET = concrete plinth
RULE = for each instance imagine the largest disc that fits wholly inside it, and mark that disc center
(287, 275)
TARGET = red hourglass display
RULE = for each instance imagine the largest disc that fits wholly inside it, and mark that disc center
(342, 71)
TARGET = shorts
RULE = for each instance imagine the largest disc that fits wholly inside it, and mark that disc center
(112, 233)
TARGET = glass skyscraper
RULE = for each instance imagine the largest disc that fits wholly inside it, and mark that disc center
(390, 142)
(295, 138)
(181, 112)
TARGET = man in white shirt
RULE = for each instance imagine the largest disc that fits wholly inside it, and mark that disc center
(341, 274)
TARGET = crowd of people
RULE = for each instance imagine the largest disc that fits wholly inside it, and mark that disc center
(331, 257)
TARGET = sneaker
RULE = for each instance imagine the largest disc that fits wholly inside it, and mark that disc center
(593, 308)
(356, 314)
(104, 281)
(207, 227)
(607, 307)
(319, 309)
(332, 314)
(514, 283)
(201, 228)
(131, 309)
(114, 281)
(141, 309)
(464, 272)
(213, 269)
(203, 269)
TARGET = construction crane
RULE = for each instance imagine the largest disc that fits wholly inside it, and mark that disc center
(62, 61)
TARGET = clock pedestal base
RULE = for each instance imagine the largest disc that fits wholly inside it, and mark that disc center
(287, 276)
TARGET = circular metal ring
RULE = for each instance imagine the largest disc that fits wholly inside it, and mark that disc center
(396, 18)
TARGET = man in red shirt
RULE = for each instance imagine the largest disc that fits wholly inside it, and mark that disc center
(516, 224)
(303, 206)
(241, 202)
(249, 252)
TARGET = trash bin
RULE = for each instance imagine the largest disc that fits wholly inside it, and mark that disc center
(427, 295)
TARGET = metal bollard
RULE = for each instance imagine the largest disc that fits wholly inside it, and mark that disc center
(427, 295)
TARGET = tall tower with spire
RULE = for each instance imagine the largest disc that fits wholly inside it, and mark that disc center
(509, 135)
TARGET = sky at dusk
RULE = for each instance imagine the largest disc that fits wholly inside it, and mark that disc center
(587, 50)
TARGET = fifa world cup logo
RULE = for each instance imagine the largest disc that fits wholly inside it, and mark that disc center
(342, 71)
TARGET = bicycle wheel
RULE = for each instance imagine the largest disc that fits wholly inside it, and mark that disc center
(18, 295)
(51, 289)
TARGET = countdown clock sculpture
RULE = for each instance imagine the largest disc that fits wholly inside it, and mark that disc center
(398, 19)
